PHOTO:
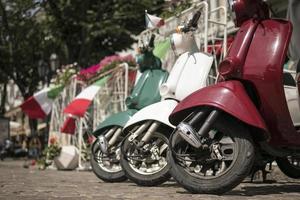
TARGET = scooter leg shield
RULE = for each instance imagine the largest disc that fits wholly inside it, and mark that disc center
(156, 112)
(230, 97)
(118, 119)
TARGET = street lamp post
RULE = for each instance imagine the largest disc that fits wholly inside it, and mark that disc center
(46, 71)
(43, 71)
(54, 62)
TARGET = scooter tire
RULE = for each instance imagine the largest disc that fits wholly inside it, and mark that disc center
(110, 177)
(145, 180)
(287, 168)
(230, 179)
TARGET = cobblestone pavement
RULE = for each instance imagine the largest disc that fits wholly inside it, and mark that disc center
(17, 182)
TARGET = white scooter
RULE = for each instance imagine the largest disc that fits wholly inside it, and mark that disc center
(292, 97)
(145, 148)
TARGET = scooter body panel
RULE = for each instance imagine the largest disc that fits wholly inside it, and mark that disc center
(146, 91)
(263, 68)
(188, 74)
(158, 112)
(118, 119)
(292, 99)
(229, 96)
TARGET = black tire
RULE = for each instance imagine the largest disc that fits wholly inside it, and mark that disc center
(238, 170)
(102, 174)
(288, 168)
(155, 179)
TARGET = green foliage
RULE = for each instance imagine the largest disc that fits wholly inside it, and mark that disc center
(91, 29)
(77, 31)
(175, 7)
(49, 153)
(63, 77)
(22, 44)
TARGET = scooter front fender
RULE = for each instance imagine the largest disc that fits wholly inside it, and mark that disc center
(229, 96)
(158, 112)
(118, 119)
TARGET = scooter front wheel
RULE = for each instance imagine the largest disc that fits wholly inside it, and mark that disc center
(290, 166)
(146, 165)
(107, 166)
(218, 166)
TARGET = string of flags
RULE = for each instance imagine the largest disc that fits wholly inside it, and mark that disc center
(153, 21)
(40, 104)
(78, 107)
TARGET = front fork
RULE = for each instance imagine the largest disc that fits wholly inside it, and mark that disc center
(186, 128)
(109, 139)
(151, 128)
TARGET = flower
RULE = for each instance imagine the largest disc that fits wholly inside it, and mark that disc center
(90, 139)
(53, 140)
(107, 63)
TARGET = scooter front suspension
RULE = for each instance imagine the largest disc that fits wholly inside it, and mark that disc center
(193, 137)
(115, 136)
(150, 131)
(136, 133)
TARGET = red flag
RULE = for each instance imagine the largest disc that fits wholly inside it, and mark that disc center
(69, 126)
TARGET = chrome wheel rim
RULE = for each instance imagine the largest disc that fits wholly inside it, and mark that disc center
(155, 160)
(294, 161)
(105, 161)
(205, 164)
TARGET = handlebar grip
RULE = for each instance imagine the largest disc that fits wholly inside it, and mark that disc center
(151, 42)
(194, 21)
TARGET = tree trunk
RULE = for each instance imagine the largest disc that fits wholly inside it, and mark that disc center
(3, 100)
(32, 122)
(33, 127)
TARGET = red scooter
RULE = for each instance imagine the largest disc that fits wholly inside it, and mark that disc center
(225, 130)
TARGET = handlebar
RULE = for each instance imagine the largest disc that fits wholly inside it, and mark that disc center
(151, 42)
(148, 46)
(192, 24)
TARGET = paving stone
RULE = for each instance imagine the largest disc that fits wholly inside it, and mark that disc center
(17, 182)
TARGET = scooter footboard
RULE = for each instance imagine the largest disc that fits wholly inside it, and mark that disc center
(229, 96)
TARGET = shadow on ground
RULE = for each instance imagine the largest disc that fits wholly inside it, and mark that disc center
(260, 189)
(267, 189)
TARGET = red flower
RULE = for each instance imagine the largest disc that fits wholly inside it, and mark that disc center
(91, 139)
(33, 162)
(52, 140)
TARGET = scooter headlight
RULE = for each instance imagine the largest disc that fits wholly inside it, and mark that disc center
(164, 90)
(183, 42)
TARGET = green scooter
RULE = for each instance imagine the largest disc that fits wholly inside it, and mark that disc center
(106, 148)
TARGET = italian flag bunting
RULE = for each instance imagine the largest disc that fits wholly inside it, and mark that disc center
(153, 22)
(40, 104)
(69, 125)
(80, 104)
